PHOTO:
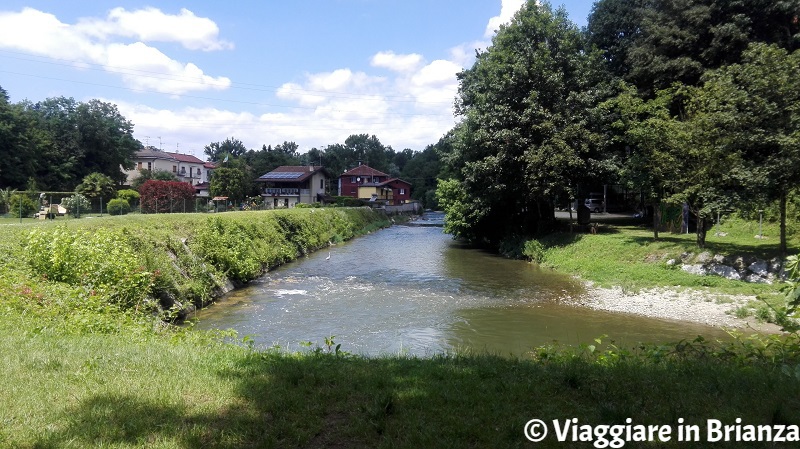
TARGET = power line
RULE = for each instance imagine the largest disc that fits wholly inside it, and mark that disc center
(240, 86)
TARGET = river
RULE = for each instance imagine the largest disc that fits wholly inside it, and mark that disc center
(413, 290)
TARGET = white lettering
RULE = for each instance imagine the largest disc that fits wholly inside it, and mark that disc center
(713, 432)
(561, 434)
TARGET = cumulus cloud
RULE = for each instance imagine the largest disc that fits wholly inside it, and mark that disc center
(395, 62)
(153, 25)
(507, 11)
(92, 42)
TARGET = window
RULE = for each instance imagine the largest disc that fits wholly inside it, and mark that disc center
(352, 180)
(321, 184)
(190, 171)
(150, 166)
(174, 169)
(402, 191)
(139, 166)
(183, 170)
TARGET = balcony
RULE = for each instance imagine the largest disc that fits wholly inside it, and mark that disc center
(282, 192)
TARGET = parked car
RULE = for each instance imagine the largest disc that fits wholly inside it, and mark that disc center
(595, 205)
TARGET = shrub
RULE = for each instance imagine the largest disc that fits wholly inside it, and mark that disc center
(129, 195)
(27, 205)
(103, 261)
(534, 251)
(165, 196)
(76, 204)
(118, 206)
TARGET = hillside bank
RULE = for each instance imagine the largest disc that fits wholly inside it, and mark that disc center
(165, 262)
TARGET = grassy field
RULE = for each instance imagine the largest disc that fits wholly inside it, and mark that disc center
(139, 389)
(81, 370)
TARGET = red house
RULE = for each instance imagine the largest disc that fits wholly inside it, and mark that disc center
(366, 183)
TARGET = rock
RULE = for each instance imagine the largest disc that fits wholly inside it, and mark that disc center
(685, 256)
(725, 271)
(671, 262)
(775, 265)
(718, 258)
(759, 267)
(703, 257)
(756, 279)
(695, 269)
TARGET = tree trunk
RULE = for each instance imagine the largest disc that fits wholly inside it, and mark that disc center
(701, 231)
(656, 219)
(783, 224)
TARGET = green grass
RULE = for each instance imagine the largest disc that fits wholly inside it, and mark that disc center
(626, 255)
(79, 372)
(140, 389)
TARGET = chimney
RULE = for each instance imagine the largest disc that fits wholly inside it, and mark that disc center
(359, 163)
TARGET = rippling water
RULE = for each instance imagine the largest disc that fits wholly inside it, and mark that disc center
(413, 290)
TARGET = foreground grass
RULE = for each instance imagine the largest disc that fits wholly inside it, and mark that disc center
(184, 390)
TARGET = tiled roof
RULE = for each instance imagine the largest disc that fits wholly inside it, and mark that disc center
(363, 170)
(188, 158)
(155, 154)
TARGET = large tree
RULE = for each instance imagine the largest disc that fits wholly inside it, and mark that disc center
(752, 110)
(216, 151)
(525, 137)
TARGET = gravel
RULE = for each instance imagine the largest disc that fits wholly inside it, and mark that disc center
(712, 309)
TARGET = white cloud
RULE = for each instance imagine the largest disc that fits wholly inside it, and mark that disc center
(153, 25)
(395, 62)
(507, 11)
(90, 42)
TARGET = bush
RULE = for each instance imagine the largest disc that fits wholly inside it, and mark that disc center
(28, 206)
(165, 196)
(76, 204)
(118, 206)
(131, 196)
(533, 251)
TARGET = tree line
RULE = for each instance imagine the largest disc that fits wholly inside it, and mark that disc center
(54, 144)
(691, 102)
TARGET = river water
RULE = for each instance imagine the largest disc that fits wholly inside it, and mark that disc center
(413, 290)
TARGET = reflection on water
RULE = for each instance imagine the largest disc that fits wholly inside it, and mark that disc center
(414, 290)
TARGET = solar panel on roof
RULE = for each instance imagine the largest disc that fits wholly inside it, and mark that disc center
(283, 175)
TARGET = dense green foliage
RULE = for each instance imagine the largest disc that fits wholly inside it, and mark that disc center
(687, 102)
(130, 262)
(21, 205)
(118, 206)
(59, 141)
(525, 138)
(97, 185)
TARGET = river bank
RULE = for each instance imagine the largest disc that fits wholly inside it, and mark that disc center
(696, 306)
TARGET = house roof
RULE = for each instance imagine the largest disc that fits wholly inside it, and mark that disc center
(389, 181)
(156, 154)
(363, 170)
(188, 158)
(291, 173)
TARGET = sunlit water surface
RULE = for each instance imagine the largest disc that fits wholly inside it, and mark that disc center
(413, 290)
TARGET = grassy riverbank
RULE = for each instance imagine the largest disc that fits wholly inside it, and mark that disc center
(624, 254)
(85, 367)
(187, 390)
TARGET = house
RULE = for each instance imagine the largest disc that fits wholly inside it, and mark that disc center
(288, 185)
(185, 167)
(367, 183)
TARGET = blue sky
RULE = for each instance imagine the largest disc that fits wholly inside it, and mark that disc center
(264, 72)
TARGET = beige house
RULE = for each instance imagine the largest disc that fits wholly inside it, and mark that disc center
(289, 185)
(185, 167)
